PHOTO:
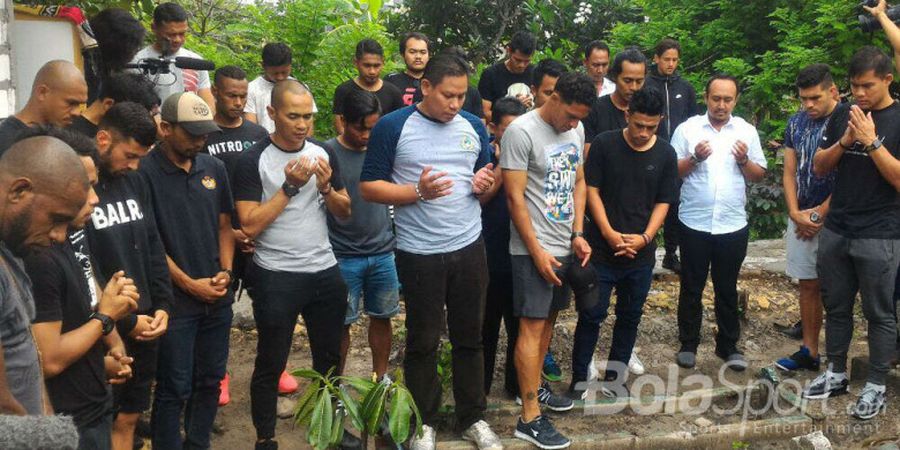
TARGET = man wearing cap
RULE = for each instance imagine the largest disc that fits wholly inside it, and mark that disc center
(192, 201)
(541, 159)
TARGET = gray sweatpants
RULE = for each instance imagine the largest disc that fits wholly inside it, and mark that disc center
(868, 266)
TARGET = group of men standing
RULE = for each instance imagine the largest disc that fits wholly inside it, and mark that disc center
(122, 261)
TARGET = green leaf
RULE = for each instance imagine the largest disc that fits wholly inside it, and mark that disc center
(306, 373)
(319, 432)
(399, 415)
(360, 385)
(303, 410)
(337, 427)
(353, 409)
(373, 408)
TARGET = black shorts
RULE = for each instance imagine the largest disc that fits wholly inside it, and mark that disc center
(134, 396)
(533, 296)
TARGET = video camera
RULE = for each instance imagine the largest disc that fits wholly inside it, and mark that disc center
(869, 24)
(156, 66)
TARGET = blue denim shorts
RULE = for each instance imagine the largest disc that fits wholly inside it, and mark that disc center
(371, 280)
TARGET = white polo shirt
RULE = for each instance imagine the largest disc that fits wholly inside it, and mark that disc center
(714, 194)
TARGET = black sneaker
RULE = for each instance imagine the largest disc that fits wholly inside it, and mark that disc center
(671, 262)
(794, 331)
(549, 400)
(578, 390)
(869, 404)
(823, 387)
(541, 433)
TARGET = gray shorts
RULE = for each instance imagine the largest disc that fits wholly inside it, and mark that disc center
(534, 297)
(801, 255)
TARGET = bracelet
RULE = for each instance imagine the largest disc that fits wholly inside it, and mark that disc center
(744, 162)
(326, 191)
(419, 193)
(646, 238)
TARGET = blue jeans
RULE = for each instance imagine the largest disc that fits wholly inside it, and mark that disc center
(632, 286)
(373, 281)
(192, 358)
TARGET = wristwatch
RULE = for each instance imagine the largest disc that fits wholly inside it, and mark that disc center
(695, 160)
(576, 234)
(875, 145)
(106, 321)
(289, 189)
(814, 217)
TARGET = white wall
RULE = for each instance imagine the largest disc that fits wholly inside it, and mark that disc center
(7, 79)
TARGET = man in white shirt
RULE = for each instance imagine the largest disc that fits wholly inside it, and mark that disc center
(170, 27)
(717, 155)
(596, 64)
(277, 62)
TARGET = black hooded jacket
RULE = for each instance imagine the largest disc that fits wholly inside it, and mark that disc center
(679, 97)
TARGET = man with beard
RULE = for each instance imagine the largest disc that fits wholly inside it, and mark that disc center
(57, 94)
(74, 326)
(192, 205)
(45, 186)
(628, 71)
(123, 236)
(415, 49)
(369, 60)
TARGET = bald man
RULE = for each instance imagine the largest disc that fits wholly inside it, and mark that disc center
(43, 186)
(57, 95)
(283, 187)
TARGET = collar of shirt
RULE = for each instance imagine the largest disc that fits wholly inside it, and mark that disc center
(168, 167)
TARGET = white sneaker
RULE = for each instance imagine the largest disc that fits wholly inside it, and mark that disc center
(593, 373)
(425, 442)
(480, 433)
(635, 365)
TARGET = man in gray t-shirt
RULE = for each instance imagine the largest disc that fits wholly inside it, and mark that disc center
(364, 243)
(541, 158)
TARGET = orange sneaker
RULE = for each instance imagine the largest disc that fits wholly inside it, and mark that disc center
(224, 394)
(287, 384)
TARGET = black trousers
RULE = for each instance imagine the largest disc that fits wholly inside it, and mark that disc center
(500, 308)
(456, 281)
(278, 299)
(721, 255)
(672, 229)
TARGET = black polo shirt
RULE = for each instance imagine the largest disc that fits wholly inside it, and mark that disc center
(187, 207)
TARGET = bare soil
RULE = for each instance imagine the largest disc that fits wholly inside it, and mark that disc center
(772, 299)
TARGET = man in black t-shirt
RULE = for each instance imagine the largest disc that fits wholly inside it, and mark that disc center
(57, 94)
(632, 180)
(74, 322)
(517, 68)
(628, 71)
(416, 50)
(859, 247)
(369, 60)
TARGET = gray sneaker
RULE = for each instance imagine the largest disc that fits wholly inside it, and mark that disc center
(686, 360)
(480, 433)
(869, 404)
(550, 400)
(424, 442)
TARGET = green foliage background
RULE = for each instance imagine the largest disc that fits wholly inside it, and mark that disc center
(762, 42)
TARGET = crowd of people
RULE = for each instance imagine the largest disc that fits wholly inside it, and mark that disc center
(134, 209)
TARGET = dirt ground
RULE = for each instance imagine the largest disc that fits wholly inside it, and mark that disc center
(772, 299)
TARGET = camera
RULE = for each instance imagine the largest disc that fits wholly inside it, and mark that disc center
(156, 66)
(869, 24)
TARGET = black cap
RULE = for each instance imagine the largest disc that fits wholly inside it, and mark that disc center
(584, 283)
